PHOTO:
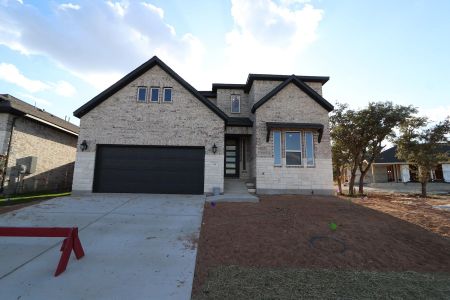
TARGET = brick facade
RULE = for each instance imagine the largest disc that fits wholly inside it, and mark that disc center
(186, 121)
(122, 120)
(292, 105)
(55, 151)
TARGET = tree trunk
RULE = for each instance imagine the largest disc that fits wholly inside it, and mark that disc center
(424, 189)
(351, 184)
(361, 183)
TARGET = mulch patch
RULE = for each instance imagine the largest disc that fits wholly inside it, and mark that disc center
(277, 232)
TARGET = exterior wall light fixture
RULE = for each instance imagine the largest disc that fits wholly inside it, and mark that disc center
(214, 148)
(83, 146)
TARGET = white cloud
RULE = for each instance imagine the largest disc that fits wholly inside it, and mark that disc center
(100, 42)
(269, 36)
(10, 73)
(63, 88)
(436, 114)
(67, 6)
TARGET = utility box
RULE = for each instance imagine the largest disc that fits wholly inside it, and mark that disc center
(32, 164)
(27, 165)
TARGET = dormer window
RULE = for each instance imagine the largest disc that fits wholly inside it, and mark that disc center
(235, 104)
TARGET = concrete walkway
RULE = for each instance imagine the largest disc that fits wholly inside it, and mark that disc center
(235, 190)
(436, 188)
(137, 247)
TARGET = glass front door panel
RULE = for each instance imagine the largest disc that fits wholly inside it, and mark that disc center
(231, 157)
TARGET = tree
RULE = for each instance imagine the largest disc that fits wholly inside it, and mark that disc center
(421, 145)
(341, 160)
(344, 134)
(379, 120)
(360, 134)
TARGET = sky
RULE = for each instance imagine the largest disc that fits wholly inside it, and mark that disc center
(58, 55)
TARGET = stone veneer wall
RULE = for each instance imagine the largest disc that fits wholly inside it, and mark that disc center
(292, 105)
(224, 102)
(5, 132)
(55, 151)
(122, 120)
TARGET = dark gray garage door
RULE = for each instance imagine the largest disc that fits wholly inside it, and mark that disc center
(148, 169)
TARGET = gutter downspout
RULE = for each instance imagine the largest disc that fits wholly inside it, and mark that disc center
(13, 123)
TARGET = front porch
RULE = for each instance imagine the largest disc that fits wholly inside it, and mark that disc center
(235, 190)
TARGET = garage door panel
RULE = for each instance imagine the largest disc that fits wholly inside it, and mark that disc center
(137, 169)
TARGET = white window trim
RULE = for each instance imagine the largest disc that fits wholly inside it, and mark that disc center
(306, 150)
(298, 151)
(281, 153)
(146, 94)
(231, 104)
(164, 95)
(151, 93)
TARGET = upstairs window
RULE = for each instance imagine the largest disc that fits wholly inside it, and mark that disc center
(142, 94)
(154, 94)
(235, 104)
(277, 148)
(167, 95)
(309, 143)
(293, 148)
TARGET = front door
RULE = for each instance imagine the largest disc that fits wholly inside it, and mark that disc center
(231, 157)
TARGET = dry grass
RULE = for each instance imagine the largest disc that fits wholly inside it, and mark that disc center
(234, 282)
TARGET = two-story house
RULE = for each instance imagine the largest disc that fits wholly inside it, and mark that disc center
(152, 132)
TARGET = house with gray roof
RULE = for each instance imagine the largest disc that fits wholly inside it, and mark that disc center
(37, 149)
(388, 168)
(152, 132)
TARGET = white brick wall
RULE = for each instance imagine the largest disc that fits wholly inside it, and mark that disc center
(318, 179)
(213, 172)
(83, 176)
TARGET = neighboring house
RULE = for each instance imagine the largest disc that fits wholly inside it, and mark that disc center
(37, 149)
(152, 132)
(388, 168)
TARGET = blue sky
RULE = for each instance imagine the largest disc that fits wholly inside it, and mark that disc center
(60, 54)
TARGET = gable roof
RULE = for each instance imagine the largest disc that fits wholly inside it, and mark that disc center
(252, 77)
(389, 155)
(301, 85)
(277, 77)
(154, 61)
(12, 105)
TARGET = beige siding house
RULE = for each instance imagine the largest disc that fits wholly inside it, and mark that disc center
(37, 149)
(388, 168)
(152, 132)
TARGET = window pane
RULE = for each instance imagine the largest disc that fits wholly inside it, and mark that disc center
(277, 147)
(142, 94)
(235, 103)
(155, 94)
(309, 137)
(293, 158)
(168, 95)
(293, 141)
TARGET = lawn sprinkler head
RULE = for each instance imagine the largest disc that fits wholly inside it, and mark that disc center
(333, 226)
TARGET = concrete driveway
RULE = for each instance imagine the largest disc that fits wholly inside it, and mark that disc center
(137, 247)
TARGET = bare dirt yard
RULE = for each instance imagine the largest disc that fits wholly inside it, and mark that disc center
(412, 208)
(285, 248)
